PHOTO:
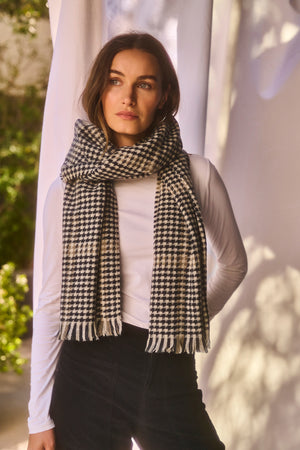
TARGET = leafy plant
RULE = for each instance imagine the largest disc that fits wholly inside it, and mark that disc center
(24, 14)
(14, 316)
(19, 154)
(21, 112)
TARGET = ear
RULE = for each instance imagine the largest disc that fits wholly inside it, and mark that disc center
(164, 98)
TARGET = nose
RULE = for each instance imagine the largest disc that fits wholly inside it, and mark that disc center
(129, 98)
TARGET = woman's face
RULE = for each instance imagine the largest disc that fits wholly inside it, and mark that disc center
(132, 96)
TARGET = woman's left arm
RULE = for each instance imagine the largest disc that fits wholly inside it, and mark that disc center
(222, 232)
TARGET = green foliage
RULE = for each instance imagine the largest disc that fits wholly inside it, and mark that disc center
(21, 112)
(24, 14)
(21, 115)
(19, 150)
(13, 317)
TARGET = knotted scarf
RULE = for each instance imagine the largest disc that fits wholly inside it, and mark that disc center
(91, 284)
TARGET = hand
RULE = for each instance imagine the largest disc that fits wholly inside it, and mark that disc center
(42, 441)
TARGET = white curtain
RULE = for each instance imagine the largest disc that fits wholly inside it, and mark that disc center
(250, 378)
(252, 374)
(76, 32)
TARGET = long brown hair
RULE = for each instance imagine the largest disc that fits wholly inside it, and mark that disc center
(99, 76)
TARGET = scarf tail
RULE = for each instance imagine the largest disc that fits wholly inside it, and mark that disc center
(90, 331)
(178, 344)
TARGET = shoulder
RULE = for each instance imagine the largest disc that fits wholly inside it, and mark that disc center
(201, 169)
(207, 182)
(56, 188)
(55, 194)
(199, 161)
(53, 206)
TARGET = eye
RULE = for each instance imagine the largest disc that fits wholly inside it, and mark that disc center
(144, 85)
(114, 82)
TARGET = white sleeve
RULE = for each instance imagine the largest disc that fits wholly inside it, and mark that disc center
(222, 233)
(45, 345)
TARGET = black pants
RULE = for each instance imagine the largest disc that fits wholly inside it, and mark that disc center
(108, 391)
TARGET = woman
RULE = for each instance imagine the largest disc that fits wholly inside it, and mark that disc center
(126, 290)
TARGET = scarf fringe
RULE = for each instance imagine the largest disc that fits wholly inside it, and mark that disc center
(90, 331)
(179, 344)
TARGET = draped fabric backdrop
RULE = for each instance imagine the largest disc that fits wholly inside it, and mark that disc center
(252, 374)
(251, 52)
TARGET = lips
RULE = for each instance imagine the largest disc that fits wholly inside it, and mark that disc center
(127, 115)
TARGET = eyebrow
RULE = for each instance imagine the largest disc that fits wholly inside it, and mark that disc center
(141, 77)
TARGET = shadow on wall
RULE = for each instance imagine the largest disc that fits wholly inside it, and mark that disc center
(252, 372)
(251, 377)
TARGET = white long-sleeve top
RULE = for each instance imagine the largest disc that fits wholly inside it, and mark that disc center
(136, 213)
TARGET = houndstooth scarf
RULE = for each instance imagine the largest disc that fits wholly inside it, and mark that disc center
(91, 293)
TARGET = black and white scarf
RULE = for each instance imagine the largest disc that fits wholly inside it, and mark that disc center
(91, 288)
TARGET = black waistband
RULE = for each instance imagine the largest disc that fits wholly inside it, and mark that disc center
(132, 330)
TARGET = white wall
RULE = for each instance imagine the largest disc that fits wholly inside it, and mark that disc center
(252, 375)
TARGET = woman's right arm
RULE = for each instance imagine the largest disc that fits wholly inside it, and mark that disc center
(45, 345)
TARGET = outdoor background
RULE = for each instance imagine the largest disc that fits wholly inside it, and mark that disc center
(25, 57)
(241, 58)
